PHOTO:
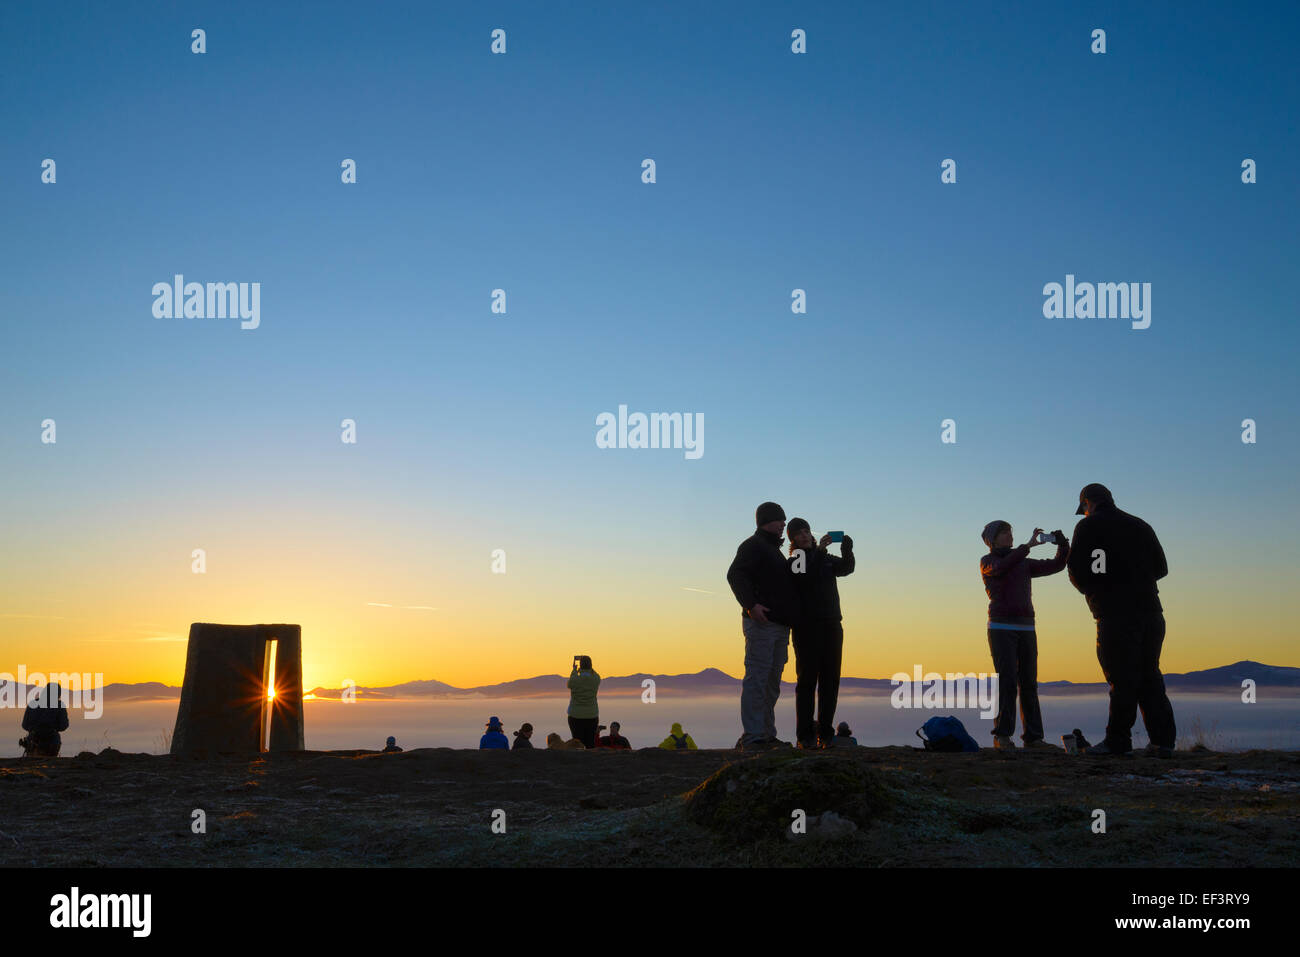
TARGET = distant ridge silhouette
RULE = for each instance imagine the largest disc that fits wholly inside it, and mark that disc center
(714, 681)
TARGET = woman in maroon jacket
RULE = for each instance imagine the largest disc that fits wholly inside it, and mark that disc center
(1008, 573)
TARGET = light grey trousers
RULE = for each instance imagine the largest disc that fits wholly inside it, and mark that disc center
(766, 649)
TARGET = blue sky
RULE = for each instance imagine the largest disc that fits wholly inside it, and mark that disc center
(775, 171)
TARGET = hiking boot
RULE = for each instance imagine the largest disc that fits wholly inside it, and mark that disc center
(808, 744)
(757, 744)
(778, 743)
(1156, 751)
(1104, 750)
(1003, 742)
(1038, 744)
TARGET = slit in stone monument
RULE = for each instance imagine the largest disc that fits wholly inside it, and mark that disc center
(268, 686)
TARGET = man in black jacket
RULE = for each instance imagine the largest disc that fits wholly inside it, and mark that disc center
(762, 583)
(818, 636)
(1115, 562)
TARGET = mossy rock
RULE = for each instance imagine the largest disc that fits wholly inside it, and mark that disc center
(754, 798)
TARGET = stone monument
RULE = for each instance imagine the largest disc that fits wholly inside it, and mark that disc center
(225, 703)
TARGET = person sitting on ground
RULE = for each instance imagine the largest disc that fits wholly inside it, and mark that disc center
(678, 740)
(390, 746)
(523, 737)
(616, 740)
(844, 737)
(494, 738)
(43, 721)
(601, 742)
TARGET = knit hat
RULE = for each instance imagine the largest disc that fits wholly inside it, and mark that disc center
(796, 524)
(392, 741)
(768, 512)
(991, 531)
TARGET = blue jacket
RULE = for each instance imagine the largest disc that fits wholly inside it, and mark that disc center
(494, 739)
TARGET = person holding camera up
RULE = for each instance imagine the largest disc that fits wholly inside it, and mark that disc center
(1008, 573)
(584, 715)
(818, 636)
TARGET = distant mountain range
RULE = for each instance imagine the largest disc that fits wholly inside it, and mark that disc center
(711, 681)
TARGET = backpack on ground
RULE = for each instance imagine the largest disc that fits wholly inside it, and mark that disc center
(946, 734)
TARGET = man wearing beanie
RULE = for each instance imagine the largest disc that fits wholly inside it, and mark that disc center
(761, 581)
(1008, 575)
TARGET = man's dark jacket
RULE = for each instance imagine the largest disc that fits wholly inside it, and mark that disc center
(819, 595)
(1007, 573)
(45, 723)
(759, 576)
(1134, 562)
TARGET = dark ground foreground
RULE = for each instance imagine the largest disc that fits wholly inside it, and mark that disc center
(893, 807)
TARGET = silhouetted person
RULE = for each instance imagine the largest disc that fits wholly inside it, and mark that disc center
(1115, 563)
(584, 713)
(844, 737)
(616, 740)
(761, 581)
(43, 721)
(1008, 575)
(818, 635)
(494, 738)
(523, 737)
(678, 740)
(390, 746)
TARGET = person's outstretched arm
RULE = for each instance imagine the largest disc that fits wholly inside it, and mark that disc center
(1039, 567)
(844, 563)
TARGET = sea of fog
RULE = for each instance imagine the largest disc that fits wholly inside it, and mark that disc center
(1221, 721)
